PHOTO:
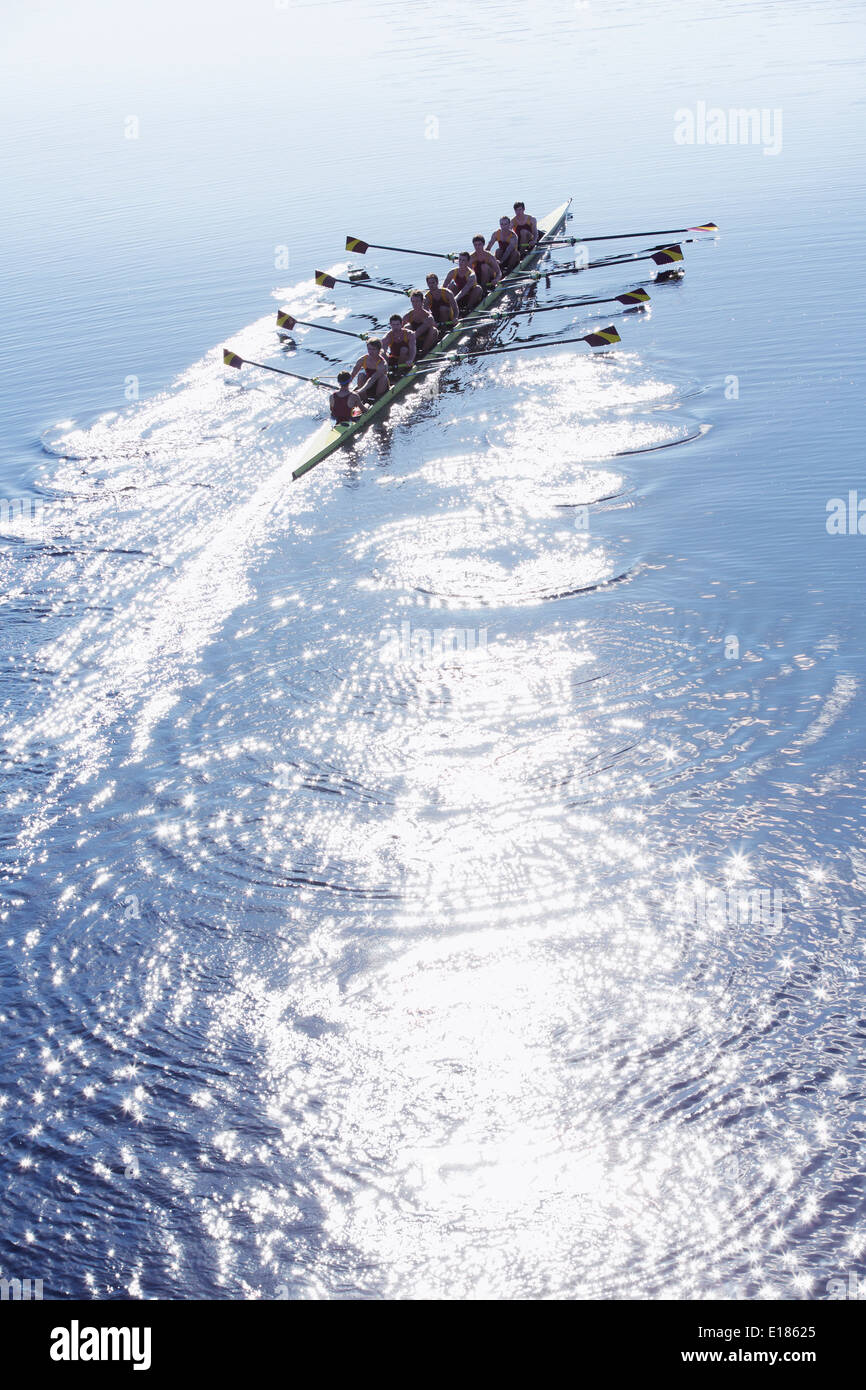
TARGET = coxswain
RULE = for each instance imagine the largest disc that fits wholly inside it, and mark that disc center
(506, 247)
(525, 228)
(486, 268)
(422, 324)
(463, 285)
(399, 345)
(440, 302)
(371, 369)
(346, 405)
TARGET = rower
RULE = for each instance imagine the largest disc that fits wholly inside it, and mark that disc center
(441, 303)
(486, 268)
(463, 285)
(371, 369)
(399, 344)
(422, 324)
(346, 405)
(505, 244)
(525, 229)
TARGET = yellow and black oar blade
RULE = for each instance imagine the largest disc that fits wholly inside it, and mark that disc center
(704, 227)
(231, 359)
(354, 243)
(603, 338)
(326, 281)
(285, 320)
(633, 297)
(668, 255)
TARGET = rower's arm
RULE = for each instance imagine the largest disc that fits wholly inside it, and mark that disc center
(357, 367)
(413, 347)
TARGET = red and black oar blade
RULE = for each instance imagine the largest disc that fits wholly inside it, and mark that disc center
(633, 297)
(603, 338)
(667, 255)
(231, 359)
(326, 281)
(354, 243)
(285, 320)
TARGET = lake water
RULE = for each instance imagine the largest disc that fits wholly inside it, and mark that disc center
(441, 876)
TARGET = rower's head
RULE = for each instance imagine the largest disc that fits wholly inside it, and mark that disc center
(463, 260)
(374, 345)
(479, 242)
(520, 209)
(433, 280)
(504, 222)
(343, 378)
(417, 299)
(396, 321)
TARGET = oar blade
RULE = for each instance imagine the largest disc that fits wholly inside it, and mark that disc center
(231, 359)
(605, 337)
(285, 320)
(705, 227)
(633, 297)
(668, 255)
(354, 243)
(327, 282)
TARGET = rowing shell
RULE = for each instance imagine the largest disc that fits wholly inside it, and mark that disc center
(331, 436)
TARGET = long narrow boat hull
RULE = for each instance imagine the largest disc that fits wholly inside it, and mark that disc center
(331, 436)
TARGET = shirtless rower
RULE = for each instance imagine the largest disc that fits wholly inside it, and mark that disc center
(371, 369)
(399, 345)
(422, 324)
(346, 405)
(485, 267)
(441, 303)
(463, 285)
(525, 228)
(507, 247)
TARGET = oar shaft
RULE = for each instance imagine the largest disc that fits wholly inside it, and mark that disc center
(328, 281)
(450, 358)
(408, 251)
(569, 304)
(627, 236)
(325, 327)
(533, 276)
(281, 371)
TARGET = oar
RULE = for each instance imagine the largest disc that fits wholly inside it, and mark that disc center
(631, 297)
(626, 236)
(354, 243)
(329, 281)
(667, 257)
(602, 337)
(231, 359)
(285, 320)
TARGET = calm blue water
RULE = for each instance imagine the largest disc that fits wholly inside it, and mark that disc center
(335, 966)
